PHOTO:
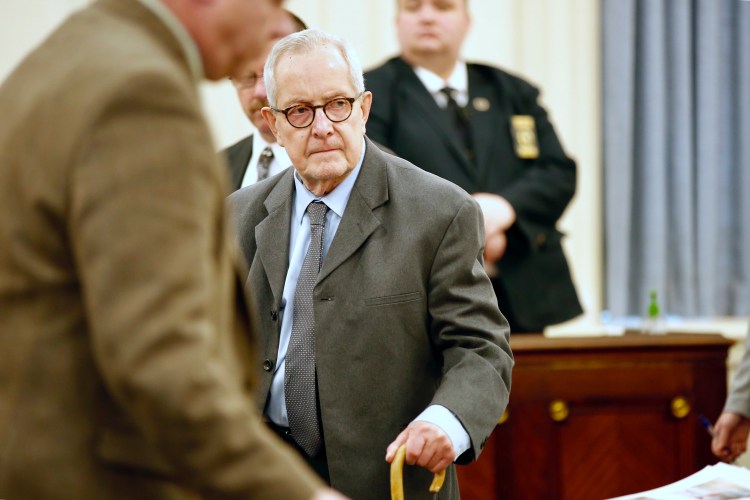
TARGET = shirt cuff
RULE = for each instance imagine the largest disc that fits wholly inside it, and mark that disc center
(447, 421)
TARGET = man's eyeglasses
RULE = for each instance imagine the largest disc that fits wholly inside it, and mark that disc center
(248, 81)
(302, 115)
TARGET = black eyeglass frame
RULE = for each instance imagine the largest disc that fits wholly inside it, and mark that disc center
(350, 100)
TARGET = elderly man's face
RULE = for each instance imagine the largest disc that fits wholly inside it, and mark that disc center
(324, 152)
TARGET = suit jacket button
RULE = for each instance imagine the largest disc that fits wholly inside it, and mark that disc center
(268, 365)
(274, 315)
(540, 239)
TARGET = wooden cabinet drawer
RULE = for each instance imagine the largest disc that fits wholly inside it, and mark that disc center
(601, 417)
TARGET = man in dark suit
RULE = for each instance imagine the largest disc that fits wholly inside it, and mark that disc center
(125, 344)
(482, 129)
(396, 338)
(258, 156)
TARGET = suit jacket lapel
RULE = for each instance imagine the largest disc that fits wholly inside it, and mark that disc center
(239, 157)
(415, 93)
(272, 234)
(369, 192)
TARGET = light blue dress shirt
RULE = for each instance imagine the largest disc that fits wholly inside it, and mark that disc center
(299, 241)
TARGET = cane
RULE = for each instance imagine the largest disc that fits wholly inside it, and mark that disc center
(397, 476)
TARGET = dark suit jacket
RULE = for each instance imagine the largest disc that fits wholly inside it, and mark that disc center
(124, 337)
(238, 155)
(405, 315)
(534, 283)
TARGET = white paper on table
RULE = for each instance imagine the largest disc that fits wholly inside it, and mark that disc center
(715, 482)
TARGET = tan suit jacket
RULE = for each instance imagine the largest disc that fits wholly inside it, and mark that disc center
(738, 400)
(405, 316)
(122, 354)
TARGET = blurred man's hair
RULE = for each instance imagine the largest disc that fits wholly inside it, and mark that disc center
(299, 24)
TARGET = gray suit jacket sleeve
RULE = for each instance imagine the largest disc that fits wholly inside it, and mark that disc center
(739, 395)
(466, 329)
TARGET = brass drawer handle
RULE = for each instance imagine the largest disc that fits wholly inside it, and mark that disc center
(680, 407)
(558, 410)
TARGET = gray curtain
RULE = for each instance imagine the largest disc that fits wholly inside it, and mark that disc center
(676, 132)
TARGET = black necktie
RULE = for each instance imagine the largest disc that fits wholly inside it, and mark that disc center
(300, 388)
(460, 119)
(264, 163)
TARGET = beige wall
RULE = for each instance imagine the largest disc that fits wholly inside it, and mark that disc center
(25, 23)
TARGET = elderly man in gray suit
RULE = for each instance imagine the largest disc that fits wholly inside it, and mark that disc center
(379, 326)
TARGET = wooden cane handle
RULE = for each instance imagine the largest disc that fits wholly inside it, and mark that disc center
(397, 476)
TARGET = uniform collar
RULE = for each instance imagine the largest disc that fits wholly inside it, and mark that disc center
(458, 79)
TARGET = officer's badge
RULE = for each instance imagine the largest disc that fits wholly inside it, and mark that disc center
(523, 129)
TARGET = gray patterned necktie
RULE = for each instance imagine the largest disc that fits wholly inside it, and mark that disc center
(299, 377)
(264, 163)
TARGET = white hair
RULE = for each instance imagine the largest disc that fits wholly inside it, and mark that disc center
(304, 42)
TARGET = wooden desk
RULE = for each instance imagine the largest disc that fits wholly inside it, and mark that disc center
(597, 417)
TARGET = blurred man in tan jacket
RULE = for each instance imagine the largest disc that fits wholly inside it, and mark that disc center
(125, 358)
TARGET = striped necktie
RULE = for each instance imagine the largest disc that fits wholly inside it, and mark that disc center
(264, 163)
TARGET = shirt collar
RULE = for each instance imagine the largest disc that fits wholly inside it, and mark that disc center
(180, 33)
(458, 79)
(259, 144)
(336, 200)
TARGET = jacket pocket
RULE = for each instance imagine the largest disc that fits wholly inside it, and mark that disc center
(393, 299)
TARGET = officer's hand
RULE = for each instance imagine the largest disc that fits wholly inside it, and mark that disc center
(494, 247)
(499, 215)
